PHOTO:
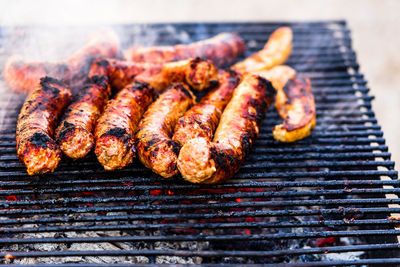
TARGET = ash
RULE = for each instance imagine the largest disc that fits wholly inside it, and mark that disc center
(109, 246)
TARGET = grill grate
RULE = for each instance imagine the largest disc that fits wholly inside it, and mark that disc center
(329, 199)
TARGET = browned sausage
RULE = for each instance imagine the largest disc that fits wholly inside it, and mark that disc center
(74, 134)
(202, 161)
(202, 119)
(223, 49)
(275, 52)
(296, 106)
(23, 76)
(154, 146)
(121, 73)
(198, 73)
(36, 124)
(117, 125)
(294, 103)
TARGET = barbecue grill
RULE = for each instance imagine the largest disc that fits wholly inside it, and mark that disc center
(330, 199)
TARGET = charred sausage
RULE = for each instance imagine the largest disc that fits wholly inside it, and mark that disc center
(202, 119)
(36, 124)
(296, 106)
(155, 148)
(117, 125)
(74, 134)
(203, 161)
(294, 103)
(198, 73)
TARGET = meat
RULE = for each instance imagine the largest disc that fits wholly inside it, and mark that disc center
(121, 73)
(116, 127)
(294, 103)
(74, 134)
(202, 161)
(275, 52)
(22, 76)
(36, 124)
(155, 148)
(296, 106)
(223, 49)
(198, 73)
(202, 119)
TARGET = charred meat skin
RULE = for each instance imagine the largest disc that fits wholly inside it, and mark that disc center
(223, 49)
(275, 52)
(36, 124)
(22, 76)
(121, 73)
(295, 104)
(198, 73)
(202, 119)
(74, 133)
(202, 161)
(155, 148)
(117, 125)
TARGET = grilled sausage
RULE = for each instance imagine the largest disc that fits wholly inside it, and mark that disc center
(275, 52)
(121, 73)
(36, 124)
(202, 119)
(155, 148)
(198, 73)
(202, 161)
(116, 127)
(294, 103)
(22, 76)
(222, 49)
(74, 134)
(296, 106)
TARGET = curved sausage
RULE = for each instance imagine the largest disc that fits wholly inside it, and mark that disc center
(74, 133)
(198, 73)
(121, 73)
(223, 49)
(202, 161)
(36, 124)
(275, 52)
(202, 119)
(296, 106)
(22, 76)
(294, 103)
(154, 146)
(117, 125)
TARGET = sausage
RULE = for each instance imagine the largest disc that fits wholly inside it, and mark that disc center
(117, 125)
(154, 146)
(223, 49)
(22, 76)
(121, 73)
(296, 106)
(202, 119)
(36, 124)
(275, 52)
(294, 103)
(203, 161)
(74, 133)
(198, 73)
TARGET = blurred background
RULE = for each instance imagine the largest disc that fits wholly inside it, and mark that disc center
(375, 26)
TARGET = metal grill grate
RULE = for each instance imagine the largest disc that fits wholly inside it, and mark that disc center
(329, 199)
